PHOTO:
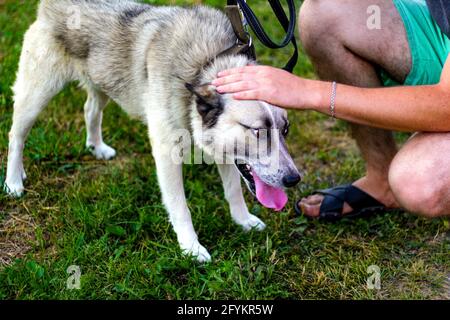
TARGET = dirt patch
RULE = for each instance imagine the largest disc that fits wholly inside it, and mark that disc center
(16, 236)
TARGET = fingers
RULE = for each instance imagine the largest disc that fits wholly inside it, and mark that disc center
(238, 79)
(236, 87)
(247, 69)
(231, 79)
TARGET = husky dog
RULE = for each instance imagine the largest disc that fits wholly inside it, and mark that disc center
(157, 63)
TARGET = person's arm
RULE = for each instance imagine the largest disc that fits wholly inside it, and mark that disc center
(420, 108)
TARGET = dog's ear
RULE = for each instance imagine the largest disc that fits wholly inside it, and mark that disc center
(206, 93)
(209, 103)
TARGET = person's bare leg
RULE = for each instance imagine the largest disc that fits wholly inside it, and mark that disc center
(420, 175)
(342, 48)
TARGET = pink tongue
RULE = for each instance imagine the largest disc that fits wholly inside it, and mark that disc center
(269, 196)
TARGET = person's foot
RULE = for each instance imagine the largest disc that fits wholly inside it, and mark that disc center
(380, 191)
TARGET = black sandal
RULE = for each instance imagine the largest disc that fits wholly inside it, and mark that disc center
(333, 203)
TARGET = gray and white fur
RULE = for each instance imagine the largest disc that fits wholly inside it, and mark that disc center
(156, 63)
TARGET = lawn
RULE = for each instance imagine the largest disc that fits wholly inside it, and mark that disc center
(107, 218)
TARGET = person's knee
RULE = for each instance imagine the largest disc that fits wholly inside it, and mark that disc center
(417, 192)
(316, 20)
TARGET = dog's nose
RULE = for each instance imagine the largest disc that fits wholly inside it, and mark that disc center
(291, 180)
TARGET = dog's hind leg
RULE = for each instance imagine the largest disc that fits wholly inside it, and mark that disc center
(231, 180)
(93, 114)
(42, 74)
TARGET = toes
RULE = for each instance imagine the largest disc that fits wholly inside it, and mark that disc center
(203, 255)
(14, 189)
(252, 222)
(311, 210)
(198, 251)
(314, 199)
(107, 153)
(102, 152)
(310, 205)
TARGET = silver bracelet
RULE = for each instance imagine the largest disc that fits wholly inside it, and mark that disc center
(333, 100)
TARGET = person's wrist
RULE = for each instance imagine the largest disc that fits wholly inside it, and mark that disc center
(314, 95)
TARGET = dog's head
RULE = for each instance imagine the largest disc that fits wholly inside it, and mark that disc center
(250, 134)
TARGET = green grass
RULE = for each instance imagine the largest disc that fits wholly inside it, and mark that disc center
(107, 218)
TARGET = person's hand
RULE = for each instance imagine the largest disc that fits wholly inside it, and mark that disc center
(275, 86)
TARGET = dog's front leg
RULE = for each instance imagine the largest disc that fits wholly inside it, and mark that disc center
(233, 193)
(171, 184)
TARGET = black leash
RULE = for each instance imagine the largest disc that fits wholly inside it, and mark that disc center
(288, 25)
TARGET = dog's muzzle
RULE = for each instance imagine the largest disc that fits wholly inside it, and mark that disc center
(246, 172)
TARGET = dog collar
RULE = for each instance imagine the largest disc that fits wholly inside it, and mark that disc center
(244, 43)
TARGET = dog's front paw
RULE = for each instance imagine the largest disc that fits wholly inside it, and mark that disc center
(198, 251)
(252, 222)
(102, 151)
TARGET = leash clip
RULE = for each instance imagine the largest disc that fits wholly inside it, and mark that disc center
(243, 17)
(245, 25)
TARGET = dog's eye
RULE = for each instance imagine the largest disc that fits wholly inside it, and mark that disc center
(285, 131)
